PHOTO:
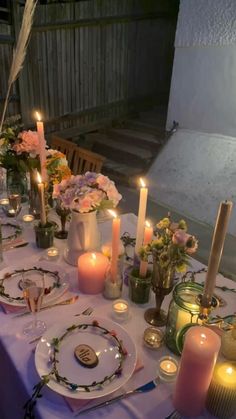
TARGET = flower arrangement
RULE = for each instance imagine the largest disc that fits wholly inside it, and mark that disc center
(172, 245)
(86, 193)
(57, 166)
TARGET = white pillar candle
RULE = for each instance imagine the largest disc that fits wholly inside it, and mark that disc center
(43, 218)
(141, 215)
(115, 245)
(42, 146)
(220, 231)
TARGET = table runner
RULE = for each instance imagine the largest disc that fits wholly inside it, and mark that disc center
(18, 374)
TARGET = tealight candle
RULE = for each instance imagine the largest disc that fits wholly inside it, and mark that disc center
(120, 309)
(4, 201)
(11, 212)
(53, 253)
(153, 337)
(221, 396)
(28, 218)
(92, 269)
(167, 368)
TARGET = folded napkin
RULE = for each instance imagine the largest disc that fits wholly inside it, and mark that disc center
(76, 405)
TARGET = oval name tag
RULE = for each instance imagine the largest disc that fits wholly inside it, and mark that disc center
(86, 356)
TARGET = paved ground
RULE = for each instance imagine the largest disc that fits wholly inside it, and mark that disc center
(202, 231)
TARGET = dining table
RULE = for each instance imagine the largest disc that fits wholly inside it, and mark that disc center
(18, 373)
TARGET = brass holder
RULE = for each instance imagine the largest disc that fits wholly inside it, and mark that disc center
(206, 309)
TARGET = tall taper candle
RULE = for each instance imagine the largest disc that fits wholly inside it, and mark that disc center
(115, 245)
(148, 233)
(141, 215)
(42, 149)
(216, 251)
(43, 217)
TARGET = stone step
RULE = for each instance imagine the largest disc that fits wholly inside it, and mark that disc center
(121, 173)
(131, 155)
(137, 125)
(143, 140)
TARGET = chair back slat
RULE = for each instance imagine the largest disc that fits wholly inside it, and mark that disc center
(86, 160)
(64, 146)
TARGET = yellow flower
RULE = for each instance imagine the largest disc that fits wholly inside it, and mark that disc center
(164, 223)
(181, 268)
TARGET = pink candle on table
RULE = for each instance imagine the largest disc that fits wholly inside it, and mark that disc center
(92, 268)
(147, 238)
(115, 245)
(42, 146)
(198, 359)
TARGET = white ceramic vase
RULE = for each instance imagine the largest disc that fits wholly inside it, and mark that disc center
(83, 236)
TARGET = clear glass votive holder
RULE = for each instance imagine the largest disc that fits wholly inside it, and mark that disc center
(167, 368)
(120, 310)
(112, 289)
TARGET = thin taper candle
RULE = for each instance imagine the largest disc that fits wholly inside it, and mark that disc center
(42, 146)
(220, 231)
(43, 217)
(115, 245)
(148, 233)
(141, 215)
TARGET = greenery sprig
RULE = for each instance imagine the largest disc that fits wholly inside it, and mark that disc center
(54, 373)
(56, 283)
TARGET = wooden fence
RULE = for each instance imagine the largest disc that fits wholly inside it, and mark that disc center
(94, 59)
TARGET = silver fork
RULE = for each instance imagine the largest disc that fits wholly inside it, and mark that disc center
(86, 312)
(174, 415)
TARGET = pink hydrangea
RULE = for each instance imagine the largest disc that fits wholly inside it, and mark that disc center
(28, 143)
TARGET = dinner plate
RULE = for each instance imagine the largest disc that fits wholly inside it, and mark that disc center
(10, 286)
(105, 347)
(10, 231)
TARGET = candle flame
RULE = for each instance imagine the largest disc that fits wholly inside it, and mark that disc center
(113, 213)
(142, 183)
(147, 224)
(94, 256)
(229, 370)
(39, 179)
(38, 116)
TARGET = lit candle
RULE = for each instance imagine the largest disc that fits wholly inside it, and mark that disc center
(42, 146)
(4, 201)
(153, 337)
(148, 233)
(228, 344)
(92, 269)
(167, 368)
(52, 253)
(120, 309)
(43, 218)
(216, 251)
(201, 347)
(141, 215)
(28, 218)
(221, 396)
(115, 245)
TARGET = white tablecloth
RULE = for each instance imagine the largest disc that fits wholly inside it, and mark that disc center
(18, 374)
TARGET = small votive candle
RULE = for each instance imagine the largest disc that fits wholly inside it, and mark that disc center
(11, 212)
(4, 201)
(153, 337)
(53, 253)
(120, 310)
(167, 368)
(28, 218)
(221, 396)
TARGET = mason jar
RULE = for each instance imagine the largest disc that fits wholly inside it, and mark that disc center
(184, 309)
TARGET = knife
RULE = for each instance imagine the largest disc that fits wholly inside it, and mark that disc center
(143, 389)
(14, 246)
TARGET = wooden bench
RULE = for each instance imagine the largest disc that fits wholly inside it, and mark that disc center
(79, 159)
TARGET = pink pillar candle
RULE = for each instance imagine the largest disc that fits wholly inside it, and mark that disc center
(92, 269)
(147, 238)
(198, 359)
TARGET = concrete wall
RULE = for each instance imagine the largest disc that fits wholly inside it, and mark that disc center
(203, 88)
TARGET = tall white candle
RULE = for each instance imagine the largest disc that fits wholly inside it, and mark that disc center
(43, 217)
(220, 231)
(141, 215)
(115, 245)
(42, 146)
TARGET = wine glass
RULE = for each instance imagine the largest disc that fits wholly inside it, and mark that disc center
(33, 295)
(14, 197)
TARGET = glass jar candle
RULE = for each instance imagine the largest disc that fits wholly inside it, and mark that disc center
(184, 309)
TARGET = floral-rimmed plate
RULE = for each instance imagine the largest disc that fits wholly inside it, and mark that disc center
(11, 292)
(114, 348)
(10, 231)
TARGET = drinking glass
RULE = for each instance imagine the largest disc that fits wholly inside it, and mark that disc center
(33, 295)
(14, 197)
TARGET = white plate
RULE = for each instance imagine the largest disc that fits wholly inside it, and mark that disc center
(69, 367)
(12, 288)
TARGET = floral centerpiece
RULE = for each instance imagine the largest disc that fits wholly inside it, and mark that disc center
(170, 251)
(86, 193)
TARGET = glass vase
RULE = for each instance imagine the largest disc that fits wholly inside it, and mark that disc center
(44, 235)
(34, 200)
(162, 285)
(139, 288)
(18, 179)
(184, 310)
(63, 214)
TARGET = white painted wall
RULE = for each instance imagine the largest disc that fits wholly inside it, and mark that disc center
(203, 88)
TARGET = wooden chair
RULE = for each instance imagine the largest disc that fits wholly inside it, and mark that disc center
(86, 160)
(66, 147)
